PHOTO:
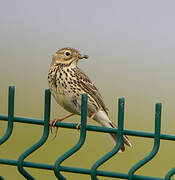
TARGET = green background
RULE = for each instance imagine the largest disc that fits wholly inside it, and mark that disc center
(131, 54)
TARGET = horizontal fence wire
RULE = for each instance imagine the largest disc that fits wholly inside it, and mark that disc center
(57, 168)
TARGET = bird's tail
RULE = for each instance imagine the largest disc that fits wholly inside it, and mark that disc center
(102, 118)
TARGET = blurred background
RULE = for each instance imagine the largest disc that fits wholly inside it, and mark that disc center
(131, 48)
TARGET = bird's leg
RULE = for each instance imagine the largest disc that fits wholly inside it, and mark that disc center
(53, 122)
(92, 116)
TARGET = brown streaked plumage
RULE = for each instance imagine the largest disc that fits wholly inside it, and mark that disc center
(68, 82)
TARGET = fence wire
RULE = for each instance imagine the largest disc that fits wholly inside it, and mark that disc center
(93, 172)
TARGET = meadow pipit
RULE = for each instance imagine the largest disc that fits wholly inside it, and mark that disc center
(68, 82)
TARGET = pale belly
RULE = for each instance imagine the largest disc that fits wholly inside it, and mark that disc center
(72, 103)
(68, 102)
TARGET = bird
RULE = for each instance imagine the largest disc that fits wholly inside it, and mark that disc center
(67, 83)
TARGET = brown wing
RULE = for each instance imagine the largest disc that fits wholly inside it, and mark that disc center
(90, 88)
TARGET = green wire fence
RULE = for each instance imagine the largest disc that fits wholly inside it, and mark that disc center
(93, 172)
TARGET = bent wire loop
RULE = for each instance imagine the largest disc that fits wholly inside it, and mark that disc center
(156, 143)
(43, 139)
(170, 174)
(11, 97)
(1, 178)
(93, 172)
(118, 144)
(57, 166)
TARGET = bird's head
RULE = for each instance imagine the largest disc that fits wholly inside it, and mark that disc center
(67, 56)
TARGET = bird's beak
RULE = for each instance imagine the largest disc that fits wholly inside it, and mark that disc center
(83, 56)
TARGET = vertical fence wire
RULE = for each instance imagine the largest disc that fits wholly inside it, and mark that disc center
(81, 140)
(156, 143)
(37, 145)
(118, 143)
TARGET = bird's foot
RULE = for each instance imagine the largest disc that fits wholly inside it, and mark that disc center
(88, 121)
(53, 122)
(52, 125)
(78, 126)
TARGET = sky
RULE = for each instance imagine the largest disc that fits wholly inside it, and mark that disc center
(131, 54)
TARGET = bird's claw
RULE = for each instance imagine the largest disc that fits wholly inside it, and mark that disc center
(52, 125)
(78, 126)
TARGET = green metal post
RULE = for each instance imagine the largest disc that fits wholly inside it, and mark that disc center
(57, 166)
(116, 148)
(20, 161)
(156, 143)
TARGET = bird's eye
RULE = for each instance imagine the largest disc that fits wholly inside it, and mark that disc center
(67, 53)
